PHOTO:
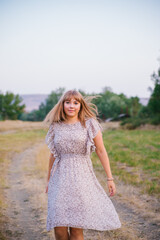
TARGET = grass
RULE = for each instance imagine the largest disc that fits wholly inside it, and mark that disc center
(134, 156)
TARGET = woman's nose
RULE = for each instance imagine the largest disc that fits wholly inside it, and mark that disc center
(71, 104)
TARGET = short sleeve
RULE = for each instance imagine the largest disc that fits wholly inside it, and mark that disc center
(93, 127)
(49, 140)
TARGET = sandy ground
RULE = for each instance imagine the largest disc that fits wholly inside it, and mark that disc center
(27, 206)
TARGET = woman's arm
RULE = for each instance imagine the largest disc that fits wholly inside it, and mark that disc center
(103, 156)
(51, 161)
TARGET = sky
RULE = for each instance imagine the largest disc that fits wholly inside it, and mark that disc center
(83, 45)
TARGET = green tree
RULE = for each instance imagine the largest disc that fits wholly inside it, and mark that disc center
(154, 101)
(10, 107)
(134, 106)
(110, 104)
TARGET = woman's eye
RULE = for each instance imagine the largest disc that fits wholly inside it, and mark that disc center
(67, 102)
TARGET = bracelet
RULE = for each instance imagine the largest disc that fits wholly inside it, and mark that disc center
(110, 179)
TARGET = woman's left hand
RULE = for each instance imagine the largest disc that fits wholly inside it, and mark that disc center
(112, 188)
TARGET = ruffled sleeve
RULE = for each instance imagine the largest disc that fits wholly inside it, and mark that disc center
(93, 127)
(49, 140)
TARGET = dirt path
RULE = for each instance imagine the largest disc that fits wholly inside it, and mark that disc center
(27, 206)
(26, 210)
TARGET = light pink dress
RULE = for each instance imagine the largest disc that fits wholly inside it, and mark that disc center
(75, 196)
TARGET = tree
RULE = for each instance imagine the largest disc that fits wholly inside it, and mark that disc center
(110, 104)
(154, 101)
(135, 106)
(10, 107)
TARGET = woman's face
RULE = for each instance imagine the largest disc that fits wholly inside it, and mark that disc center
(72, 107)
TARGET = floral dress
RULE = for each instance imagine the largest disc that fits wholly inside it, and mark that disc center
(75, 196)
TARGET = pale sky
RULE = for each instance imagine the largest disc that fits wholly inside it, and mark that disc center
(82, 44)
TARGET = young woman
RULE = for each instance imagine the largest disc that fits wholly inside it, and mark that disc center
(76, 199)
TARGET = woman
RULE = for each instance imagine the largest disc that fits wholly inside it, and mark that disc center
(76, 200)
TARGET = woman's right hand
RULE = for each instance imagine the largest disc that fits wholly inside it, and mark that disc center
(46, 190)
(112, 188)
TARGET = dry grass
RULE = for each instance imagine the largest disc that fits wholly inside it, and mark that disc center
(110, 125)
(10, 125)
(41, 161)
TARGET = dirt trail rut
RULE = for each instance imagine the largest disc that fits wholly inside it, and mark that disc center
(26, 209)
(27, 206)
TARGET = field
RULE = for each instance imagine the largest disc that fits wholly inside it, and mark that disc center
(134, 157)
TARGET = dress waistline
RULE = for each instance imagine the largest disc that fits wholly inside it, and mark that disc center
(59, 157)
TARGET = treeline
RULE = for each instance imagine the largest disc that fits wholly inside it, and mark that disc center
(110, 105)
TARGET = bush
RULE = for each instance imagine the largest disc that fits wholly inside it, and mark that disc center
(155, 120)
(132, 123)
(144, 112)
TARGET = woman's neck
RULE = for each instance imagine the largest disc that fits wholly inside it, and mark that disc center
(71, 119)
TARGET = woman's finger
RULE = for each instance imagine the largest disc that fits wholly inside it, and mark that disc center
(112, 189)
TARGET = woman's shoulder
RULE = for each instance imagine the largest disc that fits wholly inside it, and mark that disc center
(91, 120)
(93, 124)
(53, 126)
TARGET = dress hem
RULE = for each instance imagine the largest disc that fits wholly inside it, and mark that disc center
(83, 227)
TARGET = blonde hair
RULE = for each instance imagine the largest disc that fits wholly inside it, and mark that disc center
(87, 109)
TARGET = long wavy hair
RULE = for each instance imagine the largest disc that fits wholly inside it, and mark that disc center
(87, 108)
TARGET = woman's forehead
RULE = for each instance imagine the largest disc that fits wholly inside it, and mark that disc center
(72, 99)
